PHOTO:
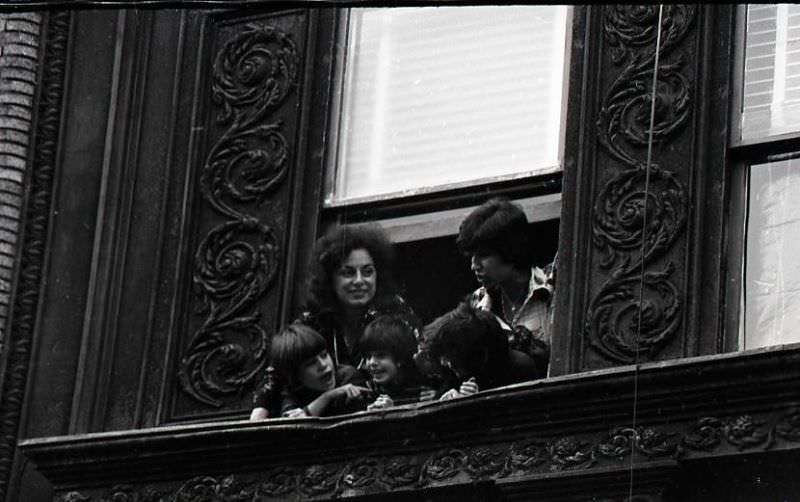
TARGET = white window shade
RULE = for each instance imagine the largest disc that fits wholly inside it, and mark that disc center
(772, 268)
(771, 97)
(440, 97)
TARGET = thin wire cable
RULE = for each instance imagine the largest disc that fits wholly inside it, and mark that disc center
(644, 240)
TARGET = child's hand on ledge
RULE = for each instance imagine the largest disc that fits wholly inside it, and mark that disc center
(295, 413)
(426, 394)
(468, 388)
(381, 403)
(259, 413)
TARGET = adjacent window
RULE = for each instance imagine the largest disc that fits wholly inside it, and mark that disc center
(765, 140)
(772, 270)
(442, 97)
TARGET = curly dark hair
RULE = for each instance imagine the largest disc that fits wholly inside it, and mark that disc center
(331, 250)
(472, 339)
(498, 226)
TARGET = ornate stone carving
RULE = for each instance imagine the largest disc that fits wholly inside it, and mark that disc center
(73, 497)
(622, 441)
(443, 465)
(568, 452)
(485, 462)
(498, 461)
(401, 471)
(705, 435)
(127, 493)
(788, 427)
(744, 432)
(319, 480)
(653, 443)
(280, 481)
(253, 75)
(236, 262)
(210, 489)
(360, 474)
(618, 443)
(524, 456)
(32, 249)
(641, 210)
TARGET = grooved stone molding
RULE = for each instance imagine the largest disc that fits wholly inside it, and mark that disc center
(19, 59)
(17, 346)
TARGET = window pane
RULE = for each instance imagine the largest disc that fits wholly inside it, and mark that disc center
(772, 267)
(449, 95)
(772, 71)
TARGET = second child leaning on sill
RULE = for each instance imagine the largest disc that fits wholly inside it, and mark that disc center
(313, 384)
(388, 346)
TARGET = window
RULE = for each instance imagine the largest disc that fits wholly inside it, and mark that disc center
(438, 109)
(772, 280)
(442, 97)
(772, 71)
(766, 143)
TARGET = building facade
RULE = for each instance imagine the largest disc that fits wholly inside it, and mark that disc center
(175, 181)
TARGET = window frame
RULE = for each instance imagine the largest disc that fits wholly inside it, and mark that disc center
(427, 204)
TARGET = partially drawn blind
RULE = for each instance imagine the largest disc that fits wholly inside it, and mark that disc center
(771, 97)
(443, 96)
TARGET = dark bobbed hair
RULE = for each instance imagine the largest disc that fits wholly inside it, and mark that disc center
(295, 344)
(472, 339)
(498, 226)
(331, 250)
(390, 334)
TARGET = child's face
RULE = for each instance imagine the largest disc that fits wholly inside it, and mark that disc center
(490, 269)
(317, 373)
(382, 366)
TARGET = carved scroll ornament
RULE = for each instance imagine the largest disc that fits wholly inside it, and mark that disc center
(236, 262)
(641, 210)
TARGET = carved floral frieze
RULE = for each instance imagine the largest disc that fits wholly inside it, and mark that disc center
(497, 461)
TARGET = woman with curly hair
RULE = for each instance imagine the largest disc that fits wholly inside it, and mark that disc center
(352, 282)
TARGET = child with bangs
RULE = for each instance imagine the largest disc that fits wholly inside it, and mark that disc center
(388, 346)
(312, 383)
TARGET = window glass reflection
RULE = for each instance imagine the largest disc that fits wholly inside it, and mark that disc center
(772, 268)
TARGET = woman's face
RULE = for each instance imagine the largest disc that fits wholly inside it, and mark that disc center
(356, 279)
(317, 373)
